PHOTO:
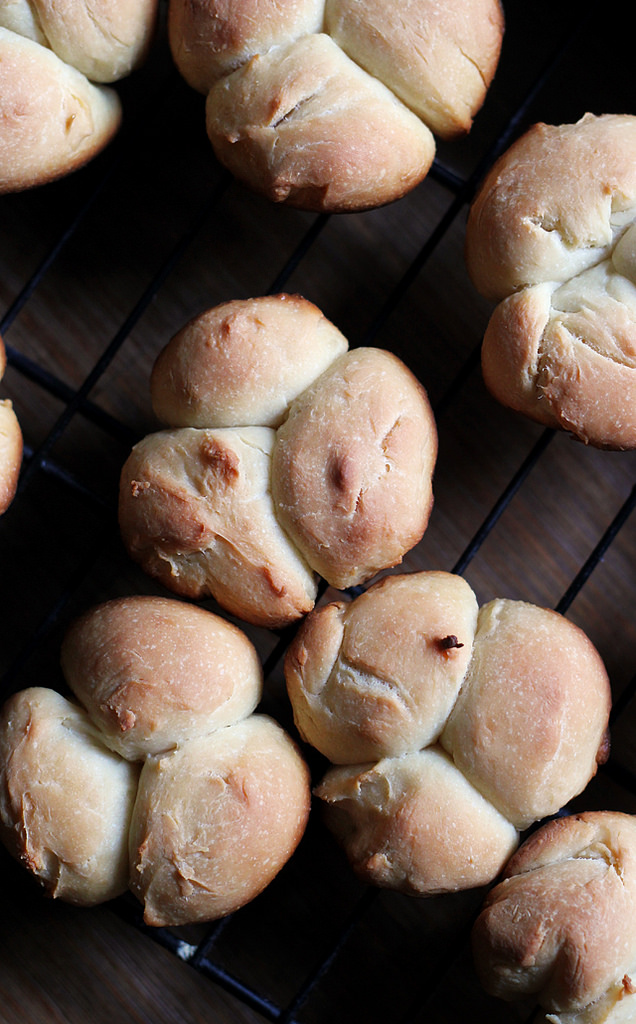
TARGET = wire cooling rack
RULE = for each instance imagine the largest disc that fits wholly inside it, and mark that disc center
(100, 269)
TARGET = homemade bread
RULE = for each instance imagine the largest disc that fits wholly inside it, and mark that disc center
(163, 781)
(551, 237)
(10, 444)
(215, 820)
(332, 104)
(65, 799)
(53, 117)
(339, 485)
(153, 672)
(513, 700)
(243, 363)
(105, 40)
(561, 925)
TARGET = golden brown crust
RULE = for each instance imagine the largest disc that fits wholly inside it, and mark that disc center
(104, 41)
(303, 124)
(221, 799)
(210, 38)
(196, 512)
(438, 58)
(528, 224)
(243, 362)
(530, 723)
(340, 485)
(65, 800)
(378, 676)
(415, 824)
(53, 119)
(561, 926)
(330, 105)
(215, 821)
(551, 236)
(11, 444)
(352, 467)
(153, 672)
(566, 356)
(519, 713)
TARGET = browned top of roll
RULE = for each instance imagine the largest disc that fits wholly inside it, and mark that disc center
(555, 203)
(378, 676)
(352, 467)
(215, 821)
(195, 510)
(155, 672)
(243, 362)
(65, 800)
(439, 58)
(305, 125)
(104, 41)
(561, 926)
(530, 723)
(53, 119)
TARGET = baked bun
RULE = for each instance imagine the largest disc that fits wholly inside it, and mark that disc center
(561, 924)
(53, 116)
(243, 363)
(415, 824)
(215, 820)
(105, 40)
(512, 700)
(160, 771)
(147, 694)
(65, 800)
(64, 119)
(551, 237)
(339, 485)
(332, 105)
(10, 445)
(196, 512)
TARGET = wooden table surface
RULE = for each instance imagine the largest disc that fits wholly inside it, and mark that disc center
(97, 272)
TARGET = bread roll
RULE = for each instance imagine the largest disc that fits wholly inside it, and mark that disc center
(209, 38)
(415, 824)
(215, 820)
(561, 925)
(339, 484)
(10, 445)
(221, 798)
(352, 467)
(303, 124)
(65, 800)
(514, 700)
(243, 362)
(196, 512)
(331, 105)
(378, 676)
(53, 119)
(104, 39)
(439, 59)
(154, 673)
(530, 723)
(553, 205)
(565, 356)
(551, 237)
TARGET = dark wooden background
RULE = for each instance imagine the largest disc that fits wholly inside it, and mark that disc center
(96, 273)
